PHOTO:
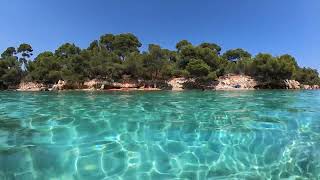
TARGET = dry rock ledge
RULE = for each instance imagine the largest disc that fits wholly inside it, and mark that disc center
(31, 86)
(236, 82)
(227, 82)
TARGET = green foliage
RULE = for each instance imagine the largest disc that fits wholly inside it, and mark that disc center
(10, 72)
(244, 66)
(236, 54)
(106, 41)
(10, 51)
(214, 47)
(103, 65)
(74, 70)
(208, 55)
(307, 76)
(45, 68)
(269, 68)
(113, 57)
(25, 49)
(67, 50)
(212, 76)
(26, 52)
(180, 45)
(94, 46)
(134, 66)
(122, 44)
(198, 68)
(157, 63)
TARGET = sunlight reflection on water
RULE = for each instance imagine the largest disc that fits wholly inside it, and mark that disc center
(160, 135)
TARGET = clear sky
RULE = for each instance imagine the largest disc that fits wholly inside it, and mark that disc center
(273, 26)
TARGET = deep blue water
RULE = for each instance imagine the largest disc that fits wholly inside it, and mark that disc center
(160, 135)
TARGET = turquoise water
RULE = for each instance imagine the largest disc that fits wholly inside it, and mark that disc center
(160, 135)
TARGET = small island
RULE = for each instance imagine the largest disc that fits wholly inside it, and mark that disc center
(159, 90)
(115, 62)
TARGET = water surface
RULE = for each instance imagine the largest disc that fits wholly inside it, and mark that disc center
(160, 135)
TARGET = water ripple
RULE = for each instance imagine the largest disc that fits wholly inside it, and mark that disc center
(160, 135)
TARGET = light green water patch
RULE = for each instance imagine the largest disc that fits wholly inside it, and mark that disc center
(160, 135)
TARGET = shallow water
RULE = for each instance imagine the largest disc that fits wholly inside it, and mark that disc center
(160, 135)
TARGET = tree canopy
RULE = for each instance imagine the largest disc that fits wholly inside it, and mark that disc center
(236, 54)
(112, 57)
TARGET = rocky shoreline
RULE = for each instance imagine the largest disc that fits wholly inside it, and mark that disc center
(227, 82)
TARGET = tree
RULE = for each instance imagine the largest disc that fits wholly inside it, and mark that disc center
(289, 60)
(122, 44)
(157, 63)
(243, 66)
(44, 54)
(107, 41)
(236, 54)
(10, 72)
(75, 69)
(269, 68)
(10, 68)
(26, 52)
(288, 66)
(206, 54)
(307, 76)
(172, 55)
(46, 68)
(197, 68)
(134, 66)
(260, 67)
(112, 57)
(181, 44)
(104, 65)
(187, 53)
(10, 51)
(67, 50)
(94, 46)
(214, 47)
(209, 56)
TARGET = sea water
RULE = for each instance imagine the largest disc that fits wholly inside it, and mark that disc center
(160, 135)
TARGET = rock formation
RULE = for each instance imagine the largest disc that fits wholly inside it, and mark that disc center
(227, 82)
(232, 82)
(177, 84)
(59, 86)
(93, 84)
(310, 87)
(291, 84)
(32, 86)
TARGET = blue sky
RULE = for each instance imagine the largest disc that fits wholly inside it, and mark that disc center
(272, 26)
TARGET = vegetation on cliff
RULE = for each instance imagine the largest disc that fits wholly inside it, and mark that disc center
(113, 57)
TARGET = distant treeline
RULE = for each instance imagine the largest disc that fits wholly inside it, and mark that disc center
(113, 57)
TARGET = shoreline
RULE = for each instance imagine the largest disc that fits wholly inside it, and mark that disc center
(155, 89)
(228, 82)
